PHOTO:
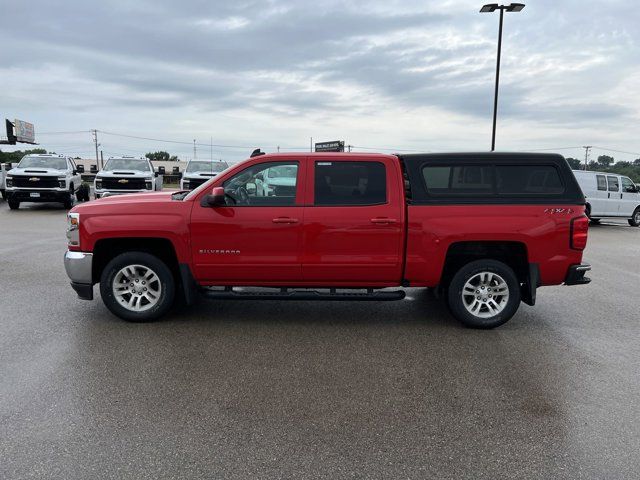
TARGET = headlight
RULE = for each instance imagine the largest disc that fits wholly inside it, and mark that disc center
(9, 181)
(62, 181)
(98, 183)
(149, 184)
(73, 229)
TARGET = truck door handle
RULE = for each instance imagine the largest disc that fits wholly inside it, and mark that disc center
(285, 220)
(383, 221)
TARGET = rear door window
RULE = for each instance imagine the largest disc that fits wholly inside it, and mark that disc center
(613, 183)
(528, 180)
(350, 183)
(602, 182)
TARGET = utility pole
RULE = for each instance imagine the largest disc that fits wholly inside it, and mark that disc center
(101, 159)
(586, 155)
(194, 148)
(95, 142)
(311, 144)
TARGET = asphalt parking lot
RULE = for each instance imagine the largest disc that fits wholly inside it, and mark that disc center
(315, 390)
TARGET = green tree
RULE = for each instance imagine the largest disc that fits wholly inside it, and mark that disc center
(160, 156)
(605, 160)
(574, 163)
(15, 157)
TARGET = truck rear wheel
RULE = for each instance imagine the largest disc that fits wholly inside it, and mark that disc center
(634, 221)
(484, 294)
(137, 287)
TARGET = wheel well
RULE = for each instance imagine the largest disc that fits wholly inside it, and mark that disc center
(514, 254)
(105, 250)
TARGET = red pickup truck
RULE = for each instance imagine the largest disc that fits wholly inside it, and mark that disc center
(485, 229)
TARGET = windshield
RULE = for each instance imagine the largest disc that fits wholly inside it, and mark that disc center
(283, 171)
(43, 162)
(127, 164)
(212, 167)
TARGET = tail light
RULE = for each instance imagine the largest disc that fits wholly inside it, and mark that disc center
(579, 231)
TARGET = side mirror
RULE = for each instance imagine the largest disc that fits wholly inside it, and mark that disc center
(80, 168)
(215, 199)
(155, 174)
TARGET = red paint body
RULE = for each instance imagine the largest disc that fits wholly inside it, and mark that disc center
(332, 246)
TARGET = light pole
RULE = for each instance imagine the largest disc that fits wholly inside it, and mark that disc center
(492, 7)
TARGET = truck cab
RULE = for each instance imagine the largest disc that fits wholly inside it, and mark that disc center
(198, 172)
(43, 178)
(123, 175)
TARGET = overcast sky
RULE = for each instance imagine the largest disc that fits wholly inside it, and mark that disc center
(401, 75)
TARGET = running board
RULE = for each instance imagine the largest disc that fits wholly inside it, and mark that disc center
(288, 294)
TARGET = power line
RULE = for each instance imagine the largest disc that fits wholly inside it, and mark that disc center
(64, 133)
(614, 150)
(244, 147)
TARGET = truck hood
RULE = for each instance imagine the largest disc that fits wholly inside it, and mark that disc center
(123, 173)
(136, 198)
(38, 172)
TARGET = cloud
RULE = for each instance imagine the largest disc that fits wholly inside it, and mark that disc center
(244, 67)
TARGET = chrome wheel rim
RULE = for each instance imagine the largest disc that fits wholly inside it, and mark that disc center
(636, 217)
(137, 288)
(485, 295)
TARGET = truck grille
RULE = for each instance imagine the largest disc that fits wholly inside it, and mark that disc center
(34, 181)
(130, 184)
(196, 182)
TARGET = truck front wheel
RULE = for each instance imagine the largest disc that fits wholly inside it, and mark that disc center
(137, 287)
(13, 204)
(484, 294)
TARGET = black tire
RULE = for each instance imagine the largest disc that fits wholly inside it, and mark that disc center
(595, 221)
(468, 272)
(634, 221)
(68, 202)
(82, 195)
(165, 281)
(13, 204)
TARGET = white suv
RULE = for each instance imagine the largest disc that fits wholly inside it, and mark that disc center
(122, 175)
(43, 178)
(610, 195)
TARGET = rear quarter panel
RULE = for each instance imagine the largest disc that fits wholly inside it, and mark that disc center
(543, 229)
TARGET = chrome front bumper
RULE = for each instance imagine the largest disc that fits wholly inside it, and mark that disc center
(79, 270)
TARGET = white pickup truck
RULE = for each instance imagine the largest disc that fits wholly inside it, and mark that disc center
(43, 178)
(199, 171)
(4, 168)
(122, 175)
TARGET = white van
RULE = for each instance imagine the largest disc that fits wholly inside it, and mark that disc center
(609, 195)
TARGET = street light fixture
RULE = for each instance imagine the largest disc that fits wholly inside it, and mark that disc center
(489, 8)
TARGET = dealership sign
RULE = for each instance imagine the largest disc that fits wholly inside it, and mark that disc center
(335, 146)
(24, 131)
